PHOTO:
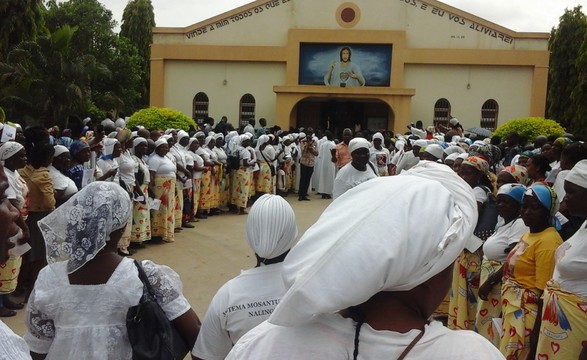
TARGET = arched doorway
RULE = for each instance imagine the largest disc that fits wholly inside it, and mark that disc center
(338, 114)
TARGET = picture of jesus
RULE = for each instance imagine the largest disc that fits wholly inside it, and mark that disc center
(344, 72)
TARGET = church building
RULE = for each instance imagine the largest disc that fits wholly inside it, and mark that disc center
(364, 64)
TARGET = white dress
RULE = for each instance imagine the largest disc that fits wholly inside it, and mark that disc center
(68, 321)
(330, 336)
(239, 305)
(12, 346)
(327, 171)
(348, 177)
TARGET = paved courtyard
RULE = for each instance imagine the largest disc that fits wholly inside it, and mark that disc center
(210, 254)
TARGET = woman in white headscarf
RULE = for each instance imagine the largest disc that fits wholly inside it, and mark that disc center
(13, 155)
(265, 181)
(108, 163)
(241, 181)
(141, 217)
(248, 299)
(357, 171)
(209, 197)
(162, 185)
(223, 173)
(64, 186)
(379, 155)
(364, 279)
(79, 304)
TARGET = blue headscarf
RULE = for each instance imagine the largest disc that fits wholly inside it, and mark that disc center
(547, 197)
(76, 147)
(515, 191)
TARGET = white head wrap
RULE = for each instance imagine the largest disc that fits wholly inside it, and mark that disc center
(454, 149)
(271, 226)
(218, 136)
(377, 135)
(77, 230)
(108, 146)
(208, 139)
(230, 136)
(137, 141)
(199, 134)
(262, 140)
(302, 135)
(86, 121)
(372, 239)
(454, 121)
(181, 134)
(463, 156)
(420, 143)
(9, 149)
(191, 141)
(435, 150)
(578, 174)
(399, 145)
(160, 142)
(451, 157)
(358, 143)
(59, 150)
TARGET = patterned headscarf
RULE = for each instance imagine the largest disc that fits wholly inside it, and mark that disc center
(77, 230)
(548, 199)
(478, 163)
(9, 149)
(515, 191)
(77, 146)
(519, 173)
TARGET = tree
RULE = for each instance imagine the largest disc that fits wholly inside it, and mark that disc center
(138, 20)
(96, 37)
(565, 47)
(45, 80)
(22, 20)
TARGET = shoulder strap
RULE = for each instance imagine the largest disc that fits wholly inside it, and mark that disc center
(410, 346)
(144, 279)
(373, 168)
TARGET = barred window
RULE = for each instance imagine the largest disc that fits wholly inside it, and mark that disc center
(489, 112)
(200, 106)
(441, 112)
(247, 109)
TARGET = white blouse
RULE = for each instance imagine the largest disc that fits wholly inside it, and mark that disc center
(68, 321)
(570, 270)
(162, 166)
(494, 247)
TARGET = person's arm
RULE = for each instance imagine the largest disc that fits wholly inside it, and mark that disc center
(188, 326)
(535, 334)
(491, 281)
(333, 155)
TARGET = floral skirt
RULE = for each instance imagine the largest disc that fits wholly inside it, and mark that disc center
(520, 307)
(206, 194)
(163, 220)
(563, 330)
(264, 181)
(463, 293)
(178, 211)
(241, 184)
(489, 309)
(141, 220)
(9, 274)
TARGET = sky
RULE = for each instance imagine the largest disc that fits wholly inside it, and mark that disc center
(517, 15)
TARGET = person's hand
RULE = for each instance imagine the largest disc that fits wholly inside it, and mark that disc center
(332, 66)
(26, 235)
(111, 172)
(484, 290)
(354, 76)
(475, 279)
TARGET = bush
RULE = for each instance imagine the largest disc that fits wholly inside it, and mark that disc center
(156, 118)
(530, 128)
(2, 115)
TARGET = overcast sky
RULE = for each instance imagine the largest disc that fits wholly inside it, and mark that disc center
(517, 15)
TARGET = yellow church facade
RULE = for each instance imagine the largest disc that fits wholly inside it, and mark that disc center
(365, 64)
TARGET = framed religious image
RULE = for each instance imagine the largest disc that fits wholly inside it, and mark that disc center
(345, 65)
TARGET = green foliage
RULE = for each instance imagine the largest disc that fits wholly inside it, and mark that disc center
(530, 127)
(22, 20)
(567, 81)
(157, 118)
(93, 111)
(2, 115)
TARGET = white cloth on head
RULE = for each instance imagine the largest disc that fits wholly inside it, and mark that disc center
(339, 262)
(137, 141)
(453, 121)
(59, 150)
(108, 146)
(261, 140)
(435, 150)
(377, 135)
(77, 230)
(181, 134)
(578, 174)
(160, 142)
(271, 226)
(451, 157)
(420, 143)
(9, 149)
(358, 143)
(463, 156)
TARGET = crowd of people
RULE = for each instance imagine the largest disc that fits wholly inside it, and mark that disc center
(500, 250)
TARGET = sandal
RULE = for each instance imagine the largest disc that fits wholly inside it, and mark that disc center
(4, 312)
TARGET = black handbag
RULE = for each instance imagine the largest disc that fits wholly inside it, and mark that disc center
(151, 334)
(233, 162)
(271, 166)
(487, 218)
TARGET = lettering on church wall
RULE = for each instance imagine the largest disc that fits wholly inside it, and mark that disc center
(459, 20)
(242, 16)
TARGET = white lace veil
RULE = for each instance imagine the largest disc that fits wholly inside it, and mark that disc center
(77, 230)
